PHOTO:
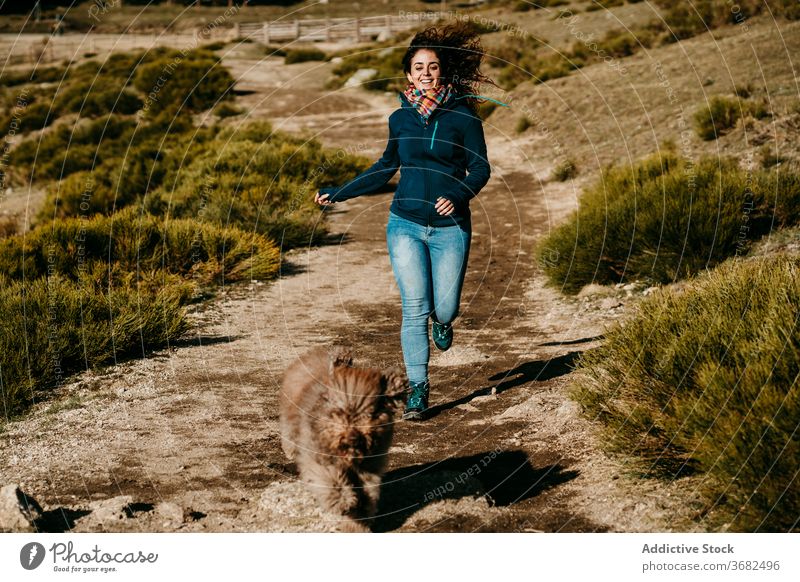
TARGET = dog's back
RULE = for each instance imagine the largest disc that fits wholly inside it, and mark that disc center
(336, 424)
(305, 383)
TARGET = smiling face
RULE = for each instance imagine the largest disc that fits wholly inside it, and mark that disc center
(426, 70)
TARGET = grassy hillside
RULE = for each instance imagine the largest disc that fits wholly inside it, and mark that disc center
(668, 218)
(144, 212)
(687, 153)
(598, 115)
(707, 380)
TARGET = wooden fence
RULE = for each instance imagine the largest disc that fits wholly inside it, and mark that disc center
(45, 48)
(331, 29)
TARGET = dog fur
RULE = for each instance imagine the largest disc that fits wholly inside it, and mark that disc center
(337, 423)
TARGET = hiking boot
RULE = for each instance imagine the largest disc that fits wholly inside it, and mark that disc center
(417, 403)
(442, 334)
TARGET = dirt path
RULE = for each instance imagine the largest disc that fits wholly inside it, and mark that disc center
(187, 439)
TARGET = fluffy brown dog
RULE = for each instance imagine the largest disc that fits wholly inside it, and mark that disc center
(336, 424)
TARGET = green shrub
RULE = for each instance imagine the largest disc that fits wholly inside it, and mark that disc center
(191, 78)
(484, 26)
(789, 9)
(274, 51)
(708, 379)
(112, 144)
(225, 109)
(52, 327)
(8, 226)
(257, 131)
(601, 4)
(510, 50)
(717, 117)
(111, 185)
(519, 60)
(512, 75)
(265, 185)
(758, 109)
(610, 3)
(245, 175)
(523, 123)
(301, 55)
(35, 116)
(524, 6)
(96, 100)
(665, 219)
(770, 157)
(540, 70)
(564, 171)
(36, 75)
(77, 158)
(94, 88)
(721, 114)
(387, 61)
(130, 242)
(69, 149)
(556, 66)
(193, 84)
(619, 44)
(685, 20)
(24, 110)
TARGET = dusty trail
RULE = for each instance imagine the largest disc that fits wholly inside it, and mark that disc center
(187, 439)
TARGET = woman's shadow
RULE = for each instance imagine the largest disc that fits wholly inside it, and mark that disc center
(525, 373)
(501, 477)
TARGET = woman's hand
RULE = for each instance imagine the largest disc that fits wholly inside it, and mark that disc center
(444, 206)
(322, 199)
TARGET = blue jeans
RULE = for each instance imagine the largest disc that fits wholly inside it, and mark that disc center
(429, 264)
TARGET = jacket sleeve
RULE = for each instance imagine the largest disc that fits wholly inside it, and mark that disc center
(477, 165)
(372, 178)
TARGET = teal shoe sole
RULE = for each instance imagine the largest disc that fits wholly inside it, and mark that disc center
(414, 414)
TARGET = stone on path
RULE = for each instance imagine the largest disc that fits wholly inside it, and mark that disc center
(18, 511)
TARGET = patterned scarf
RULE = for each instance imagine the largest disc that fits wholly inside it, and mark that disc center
(426, 101)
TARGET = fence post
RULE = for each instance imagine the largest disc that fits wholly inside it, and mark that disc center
(296, 29)
(388, 26)
(265, 32)
(358, 29)
(328, 28)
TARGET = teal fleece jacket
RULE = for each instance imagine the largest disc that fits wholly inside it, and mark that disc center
(445, 157)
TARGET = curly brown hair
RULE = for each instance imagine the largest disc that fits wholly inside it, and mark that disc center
(458, 47)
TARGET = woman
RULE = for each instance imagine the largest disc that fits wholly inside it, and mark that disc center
(437, 138)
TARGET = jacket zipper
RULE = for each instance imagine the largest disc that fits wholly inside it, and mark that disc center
(425, 173)
(427, 178)
(435, 127)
